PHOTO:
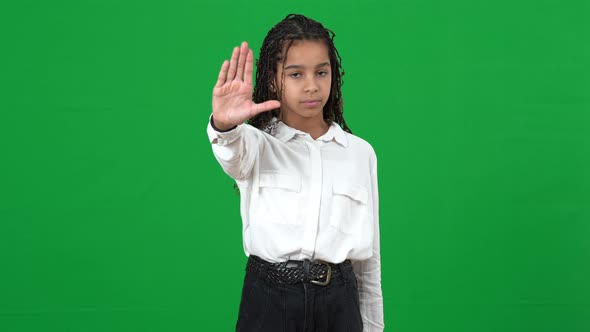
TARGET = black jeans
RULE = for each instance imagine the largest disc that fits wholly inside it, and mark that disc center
(303, 307)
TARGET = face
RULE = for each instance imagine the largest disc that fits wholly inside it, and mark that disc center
(305, 80)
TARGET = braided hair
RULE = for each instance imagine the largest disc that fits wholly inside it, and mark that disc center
(295, 27)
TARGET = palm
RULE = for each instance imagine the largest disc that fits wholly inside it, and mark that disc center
(232, 95)
(233, 102)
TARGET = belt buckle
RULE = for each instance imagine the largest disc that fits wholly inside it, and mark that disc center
(328, 275)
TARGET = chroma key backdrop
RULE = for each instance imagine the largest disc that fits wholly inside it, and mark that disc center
(115, 216)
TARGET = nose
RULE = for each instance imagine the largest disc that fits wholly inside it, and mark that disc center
(311, 85)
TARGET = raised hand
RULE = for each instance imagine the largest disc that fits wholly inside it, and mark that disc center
(232, 94)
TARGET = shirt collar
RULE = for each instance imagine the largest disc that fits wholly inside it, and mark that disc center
(285, 133)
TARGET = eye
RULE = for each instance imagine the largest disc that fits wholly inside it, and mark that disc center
(295, 75)
(322, 73)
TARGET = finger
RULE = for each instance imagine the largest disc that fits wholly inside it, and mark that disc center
(266, 106)
(233, 63)
(222, 74)
(242, 61)
(249, 66)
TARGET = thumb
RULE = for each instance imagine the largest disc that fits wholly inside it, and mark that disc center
(266, 106)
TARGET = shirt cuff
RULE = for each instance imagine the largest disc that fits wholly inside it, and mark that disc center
(220, 137)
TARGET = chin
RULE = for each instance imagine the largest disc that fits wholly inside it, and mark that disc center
(311, 113)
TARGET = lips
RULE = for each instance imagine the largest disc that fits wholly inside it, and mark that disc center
(311, 103)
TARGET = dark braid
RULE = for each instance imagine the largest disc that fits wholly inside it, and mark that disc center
(295, 27)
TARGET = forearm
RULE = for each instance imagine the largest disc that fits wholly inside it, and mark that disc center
(368, 273)
(235, 149)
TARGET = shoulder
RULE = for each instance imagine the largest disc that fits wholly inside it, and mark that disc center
(359, 145)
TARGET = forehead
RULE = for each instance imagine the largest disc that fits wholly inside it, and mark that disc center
(311, 52)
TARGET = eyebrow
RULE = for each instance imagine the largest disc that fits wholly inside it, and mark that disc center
(324, 64)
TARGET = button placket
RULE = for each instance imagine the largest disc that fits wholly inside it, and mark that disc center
(314, 199)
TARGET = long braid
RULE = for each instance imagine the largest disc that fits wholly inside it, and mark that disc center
(295, 27)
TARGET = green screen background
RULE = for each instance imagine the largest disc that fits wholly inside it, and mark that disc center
(115, 216)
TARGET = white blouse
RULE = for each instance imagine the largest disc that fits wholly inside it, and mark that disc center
(305, 198)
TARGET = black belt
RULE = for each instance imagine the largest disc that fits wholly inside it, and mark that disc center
(293, 272)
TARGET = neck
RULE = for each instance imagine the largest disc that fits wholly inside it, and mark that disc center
(313, 126)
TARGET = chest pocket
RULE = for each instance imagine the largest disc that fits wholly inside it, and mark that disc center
(278, 198)
(350, 210)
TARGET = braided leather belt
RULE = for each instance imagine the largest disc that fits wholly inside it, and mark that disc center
(293, 272)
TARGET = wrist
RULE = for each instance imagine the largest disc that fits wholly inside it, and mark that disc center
(221, 127)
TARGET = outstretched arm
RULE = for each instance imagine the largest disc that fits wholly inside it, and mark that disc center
(236, 150)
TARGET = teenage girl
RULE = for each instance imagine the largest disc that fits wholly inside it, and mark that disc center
(308, 187)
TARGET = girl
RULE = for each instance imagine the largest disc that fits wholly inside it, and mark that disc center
(309, 200)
